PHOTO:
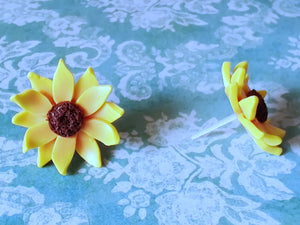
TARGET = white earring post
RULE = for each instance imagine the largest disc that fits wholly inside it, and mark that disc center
(215, 126)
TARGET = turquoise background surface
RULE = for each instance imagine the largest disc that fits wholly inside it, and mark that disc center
(164, 60)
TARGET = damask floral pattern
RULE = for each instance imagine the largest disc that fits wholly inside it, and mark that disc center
(58, 213)
(11, 156)
(20, 13)
(156, 14)
(289, 8)
(192, 66)
(163, 59)
(8, 51)
(292, 57)
(169, 174)
(137, 200)
(205, 203)
(14, 200)
(135, 69)
(256, 171)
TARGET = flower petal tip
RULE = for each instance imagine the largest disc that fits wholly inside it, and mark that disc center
(61, 169)
(91, 70)
(62, 172)
(16, 120)
(32, 75)
(13, 120)
(14, 99)
(243, 64)
(25, 147)
(263, 93)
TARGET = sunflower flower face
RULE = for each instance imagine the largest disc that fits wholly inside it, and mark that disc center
(63, 117)
(251, 109)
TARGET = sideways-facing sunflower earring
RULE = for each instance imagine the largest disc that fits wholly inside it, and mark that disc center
(249, 108)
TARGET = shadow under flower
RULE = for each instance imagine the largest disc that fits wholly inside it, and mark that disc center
(288, 117)
(134, 119)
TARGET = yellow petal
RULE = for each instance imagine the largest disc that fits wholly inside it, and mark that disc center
(93, 98)
(226, 73)
(249, 107)
(109, 112)
(250, 127)
(263, 93)
(273, 136)
(247, 78)
(270, 149)
(41, 84)
(274, 130)
(233, 98)
(243, 65)
(37, 136)
(102, 131)
(239, 77)
(241, 93)
(88, 149)
(63, 83)
(63, 152)
(27, 119)
(45, 153)
(246, 88)
(32, 101)
(87, 80)
(272, 140)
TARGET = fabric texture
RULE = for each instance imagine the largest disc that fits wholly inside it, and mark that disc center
(163, 59)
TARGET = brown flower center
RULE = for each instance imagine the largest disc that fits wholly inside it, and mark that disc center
(262, 110)
(65, 119)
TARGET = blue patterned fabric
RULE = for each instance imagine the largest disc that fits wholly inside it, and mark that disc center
(164, 60)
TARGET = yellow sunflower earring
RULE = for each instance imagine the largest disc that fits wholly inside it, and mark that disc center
(63, 117)
(250, 109)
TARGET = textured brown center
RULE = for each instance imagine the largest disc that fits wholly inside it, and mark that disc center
(262, 110)
(65, 119)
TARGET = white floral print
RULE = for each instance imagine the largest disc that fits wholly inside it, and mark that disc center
(256, 170)
(288, 8)
(11, 155)
(292, 58)
(137, 201)
(156, 14)
(205, 203)
(58, 213)
(169, 174)
(13, 200)
(163, 58)
(22, 12)
(136, 70)
(190, 66)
